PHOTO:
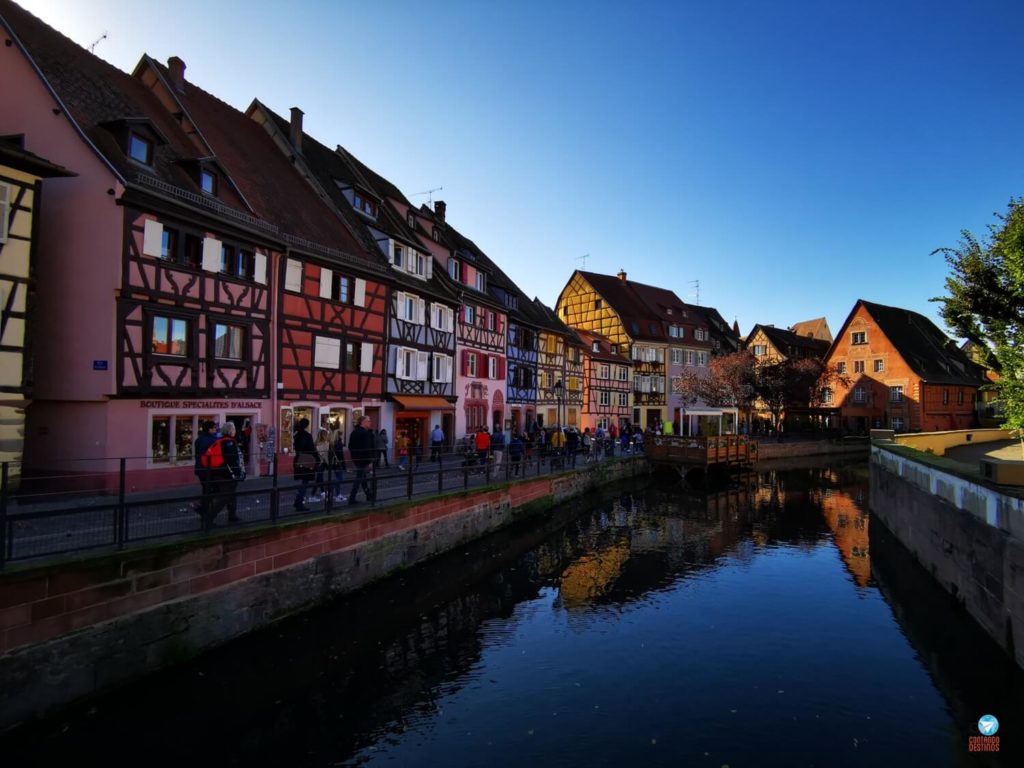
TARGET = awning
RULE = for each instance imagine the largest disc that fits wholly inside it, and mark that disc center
(421, 402)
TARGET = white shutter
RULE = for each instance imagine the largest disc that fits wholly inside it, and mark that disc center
(211, 254)
(422, 365)
(152, 238)
(448, 368)
(421, 312)
(293, 276)
(259, 267)
(366, 357)
(430, 266)
(326, 352)
(400, 305)
(360, 296)
(400, 371)
(325, 283)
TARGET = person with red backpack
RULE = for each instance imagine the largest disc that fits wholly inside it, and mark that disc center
(223, 462)
(207, 437)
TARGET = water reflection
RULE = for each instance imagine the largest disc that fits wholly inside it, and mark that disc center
(653, 625)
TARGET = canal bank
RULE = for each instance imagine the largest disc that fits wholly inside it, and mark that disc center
(967, 532)
(73, 629)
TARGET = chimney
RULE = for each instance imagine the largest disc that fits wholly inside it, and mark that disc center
(295, 133)
(622, 275)
(439, 209)
(177, 70)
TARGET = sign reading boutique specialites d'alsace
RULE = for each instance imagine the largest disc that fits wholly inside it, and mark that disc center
(206, 404)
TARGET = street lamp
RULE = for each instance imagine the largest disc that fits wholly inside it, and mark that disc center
(558, 388)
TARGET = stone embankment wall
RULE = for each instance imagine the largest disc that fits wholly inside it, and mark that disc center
(70, 630)
(768, 450)
(968, 535)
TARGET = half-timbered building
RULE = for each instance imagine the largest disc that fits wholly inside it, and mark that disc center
(156, 284)
(21, 179)
(606, 388)
(559, 360)
(481, 322)
(420, 359)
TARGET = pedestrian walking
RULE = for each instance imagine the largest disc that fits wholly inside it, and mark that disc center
(362, 449)
(207, 437)
(497, 447)
(337, 462)
(381, 444)
(304, 466)
(483, 445)
(436, 442)
(515, 452)
(323, 465)
(402, 447)
(226, 471)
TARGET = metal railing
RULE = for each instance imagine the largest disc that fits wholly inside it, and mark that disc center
(53, 524)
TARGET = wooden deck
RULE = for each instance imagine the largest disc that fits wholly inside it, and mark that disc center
(691, 452)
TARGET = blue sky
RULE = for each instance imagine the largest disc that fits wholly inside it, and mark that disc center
(792, 157)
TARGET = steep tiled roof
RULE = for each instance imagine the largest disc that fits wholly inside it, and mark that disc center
(644, 309)
(263, 174)
(816, 328)
(604, 347)
(548, 319)
(785, 341)
(13, 155)
(927, 350)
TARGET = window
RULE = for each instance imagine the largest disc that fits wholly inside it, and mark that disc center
(344, 292)
(353, 356)
(960, 397)
(228, 342)
(598, 304)
(859, 396)
(492, 368)
(192, 255)
(170, 336)
(604, 371)
(677, 357)
(326, 352)
(436, 234)
(604, 397)
(826, 396)
(411, 308)
(597, 346)
(623, 399)
(410, 219)
(702, 358)
(208, 182)
(859, 337)
(858, 366)
(492, 322)
(701, 334)
(364, 205)
(676, 332)
(172, 437)
(236, 262)
(602, 423)
(471, 364)
(405, 363)
(443, 318)
(897, 423)
(442, 369)
(455, 270)
(399, 258)
(169, 244)
(841, 368)
(879, 366)
(945, 397)
(896, 394)
(140, 149)
(481, 281)
(760, 350)
(623, 373)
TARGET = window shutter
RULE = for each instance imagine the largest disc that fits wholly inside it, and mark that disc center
(501, 368)
(430, 266)
(211, 254)
(326, 352)
(259, 267)
(293, 276)
(152, 238)
(422, 365)
(465, 362)
(500, 324)
(400, 362)
(360, 295)
(421, 311)
(399, 304)
(366, 357)
(325, 283)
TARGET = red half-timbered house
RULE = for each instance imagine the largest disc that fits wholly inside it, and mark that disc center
(606, 375)
(332, 293)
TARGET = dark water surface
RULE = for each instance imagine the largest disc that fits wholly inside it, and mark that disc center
(772, 623)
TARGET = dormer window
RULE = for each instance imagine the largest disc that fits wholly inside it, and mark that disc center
(597, 346)
(481, 281)
(140, 149)
(364, 205)
(411, 220)
(436, 234)
(208, 182)
(399, 257)
(455, 270)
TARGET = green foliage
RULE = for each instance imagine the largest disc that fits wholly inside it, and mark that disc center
(986, 303)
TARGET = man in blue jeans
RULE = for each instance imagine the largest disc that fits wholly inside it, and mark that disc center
(362, 447)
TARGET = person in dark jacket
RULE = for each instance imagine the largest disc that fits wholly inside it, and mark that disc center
(515, 452)
(207, 437)
(305, 462)
(362, 446)
(224, 480)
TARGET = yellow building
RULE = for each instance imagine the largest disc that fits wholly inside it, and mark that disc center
(21, 174)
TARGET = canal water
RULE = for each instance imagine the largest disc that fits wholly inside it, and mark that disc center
(772, 622)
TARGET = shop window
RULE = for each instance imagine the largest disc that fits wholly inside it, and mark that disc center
(170, 336)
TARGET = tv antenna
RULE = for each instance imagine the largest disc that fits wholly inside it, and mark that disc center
(429, 193)
(100, 39)
(583, 260)
(695, 284)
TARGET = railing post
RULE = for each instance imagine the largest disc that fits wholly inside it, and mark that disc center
(5, 477)
(409, 488)
(275, 496)
(122, 510)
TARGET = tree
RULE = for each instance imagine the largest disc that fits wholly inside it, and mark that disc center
(794, 382)
(986, 303)
(727, 383)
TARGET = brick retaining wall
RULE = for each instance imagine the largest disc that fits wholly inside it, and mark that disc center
(72, 629)
(767, 449)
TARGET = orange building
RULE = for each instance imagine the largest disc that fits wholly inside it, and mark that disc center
(901, 372)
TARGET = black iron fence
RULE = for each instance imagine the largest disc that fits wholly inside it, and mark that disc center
(43, 519)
